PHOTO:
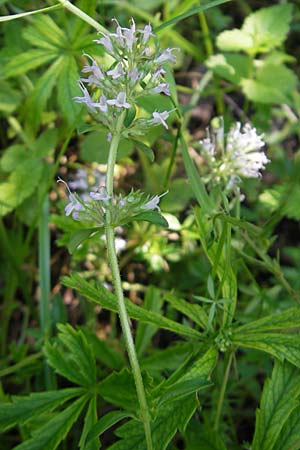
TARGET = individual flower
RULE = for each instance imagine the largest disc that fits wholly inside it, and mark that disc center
(117, 72)
(106, 42)
(74, 205)
(120, 101)
(146, 32)
(100, 195)
(129, 35)
(86, 97)
(101, 104)
(162, 87)
(96, 73)
(153, 203)
(160, 118)
(166, 55)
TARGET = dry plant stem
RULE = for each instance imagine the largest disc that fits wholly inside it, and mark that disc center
(113, 261)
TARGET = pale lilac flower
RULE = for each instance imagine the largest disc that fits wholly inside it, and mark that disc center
(160, 118)
(96, 75)
(73, 205)
(120, 101)
(101, 104)
(106, 42)
(161, 87)
(101, 195)
(166, 56)
(208, 145)
(158, 72)
(118, 35)
(147, 51)
(146, 32)
(122, 202)
(153, 203)
(80, 181)
(116, 73)
(86, 97)
(129, 35)
(109, 136)
(133, 75)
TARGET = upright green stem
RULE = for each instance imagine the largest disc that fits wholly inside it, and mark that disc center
(113, 260)
(222, 392)
(73, 9)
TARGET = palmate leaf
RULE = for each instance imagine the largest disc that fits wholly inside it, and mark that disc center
(279, 399)
(108, 301)
(193, 311)
(78, 363)
(170, 418)
(290, 318)
(89, 423)
(49, 436)
(23, 409)
(68, 89)
(45, 30)
(32, 59)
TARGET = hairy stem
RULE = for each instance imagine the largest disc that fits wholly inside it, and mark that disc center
(113, 261)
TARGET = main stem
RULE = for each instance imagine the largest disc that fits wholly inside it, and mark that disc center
(113, 260)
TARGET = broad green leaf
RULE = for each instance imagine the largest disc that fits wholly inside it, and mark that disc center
(49, 436)
(231, 67)
(32, 59)
(281, 345)
(235, 41)
(170, 418)
(273, 84)
(269, 26)
(50, 31)
(20, 185)
(105, 423)
(279, 399)
(10, 98)
(45, 144)
(200, 436)
(78, 363)
(23, 409)
(107, 300)
(289, 438)
(95, 147)
(13, 156)
(89, 422)
(153, 217)
(290, 318)
(67, 89)
(193, 311)
(167, 359)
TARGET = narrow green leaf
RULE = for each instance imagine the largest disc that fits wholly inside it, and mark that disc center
(279, 399)
(23, 409)
(67, 89)
(153, 217)
(290, 318)
(49, 436)
(289, 438)
(104, 351)
(145, 149)
(22, 63)
(124, 395)
(193, 311)
(89, 423)
(79, 236)
(107, 300)
(105, 423)
(190, 13)
(197, 184)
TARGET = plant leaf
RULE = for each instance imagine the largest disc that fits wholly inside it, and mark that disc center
(23, 409)
(279, 399)
(107, 300)
(105, 423)
(32, 59)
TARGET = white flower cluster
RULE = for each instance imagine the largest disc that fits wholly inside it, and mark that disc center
(240, 157)
(122, 209)
(137, 70)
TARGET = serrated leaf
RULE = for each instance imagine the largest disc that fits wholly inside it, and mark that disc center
(107, 300)
(145, 149)
(78, 363)
(125, 394)
(23, 409)
(45, 144)
(50, 31)
(67, 89)
(167, 359)
(231, 67)
(13, 156)
(169, 419)
(105, 352)
(210, 439)
(89, 423)
(105, 423)
(32, 59)
(289, 438)
(279, 399)
(268, 26)
(49, 436)
(282, 346)
(21, 184)
(153, 217)
(193, 311)
(289, 318)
